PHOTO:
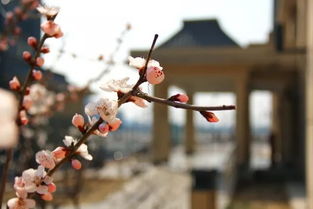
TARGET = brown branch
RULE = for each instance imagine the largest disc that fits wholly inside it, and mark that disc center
(122, 100)
(22, 92)
(182, 105)
(142, 77)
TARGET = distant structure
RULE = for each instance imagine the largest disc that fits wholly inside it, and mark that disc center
(201, 57)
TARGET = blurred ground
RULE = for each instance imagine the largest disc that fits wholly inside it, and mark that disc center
(261, 196)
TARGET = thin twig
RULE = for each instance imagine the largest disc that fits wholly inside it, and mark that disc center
(122, 100)
(183, 105)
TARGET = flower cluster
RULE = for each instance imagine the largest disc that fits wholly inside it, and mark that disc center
(101, 114)
(12, 18)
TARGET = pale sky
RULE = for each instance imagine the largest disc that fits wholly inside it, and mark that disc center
(92, 27)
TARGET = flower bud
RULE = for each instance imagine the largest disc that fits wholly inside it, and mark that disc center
(45, 50)
(154, 75)
(27, 102)
(78, 121)
(14, 84)
(27, 56)
(47, 197)
(179, 97)
(32, 41)
(37, 74)
(209, 116)
(104, 128)
(115, 124)
(40, 61)
(52, 188)
(76, 164)
(23, 117)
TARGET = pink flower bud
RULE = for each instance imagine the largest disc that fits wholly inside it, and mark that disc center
(47, 197)
(104, 128)
(115, 124)
(52, 188)
(17, 31)
(45, 50)
(40, 61)
(209, 116)
(18, 11)
(76, 164)
(27, 91)
(179, 97)
(59, 153)
(51, 29)
(27, 102)
(154, 75)
(23, 117)
(27, 56)
(32, 41)
(14, 84)
(37, 74)
(9, 16)
(78, 120)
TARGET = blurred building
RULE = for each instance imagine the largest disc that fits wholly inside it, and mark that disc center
(201, 57)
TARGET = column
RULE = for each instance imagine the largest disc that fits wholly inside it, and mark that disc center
(161, 143)
(242, 122)
(276, 137)
(309, 108)
(190, 141)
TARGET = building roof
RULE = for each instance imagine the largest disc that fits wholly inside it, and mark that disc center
(200, 33)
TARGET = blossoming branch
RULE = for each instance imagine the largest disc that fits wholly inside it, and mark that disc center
(101, 119)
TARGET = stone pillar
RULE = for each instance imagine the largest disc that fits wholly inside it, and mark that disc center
(276, 132)
(309, 108)
(242, 122)
(190, 141)
(161, 142)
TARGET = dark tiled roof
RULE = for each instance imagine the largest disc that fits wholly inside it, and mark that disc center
(200, 33)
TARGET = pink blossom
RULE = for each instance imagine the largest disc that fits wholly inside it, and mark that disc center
(51, 29)
(76, 164)
(138, 101)
(59, 153)
(155, 75)
(15, 83)
(21, 203)
(78, 121)
(117, 85)
(33, 180)
(82, 150)
(37, 74)
(49, 12)
(45, 158)
(106, 108)
(137, 62)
